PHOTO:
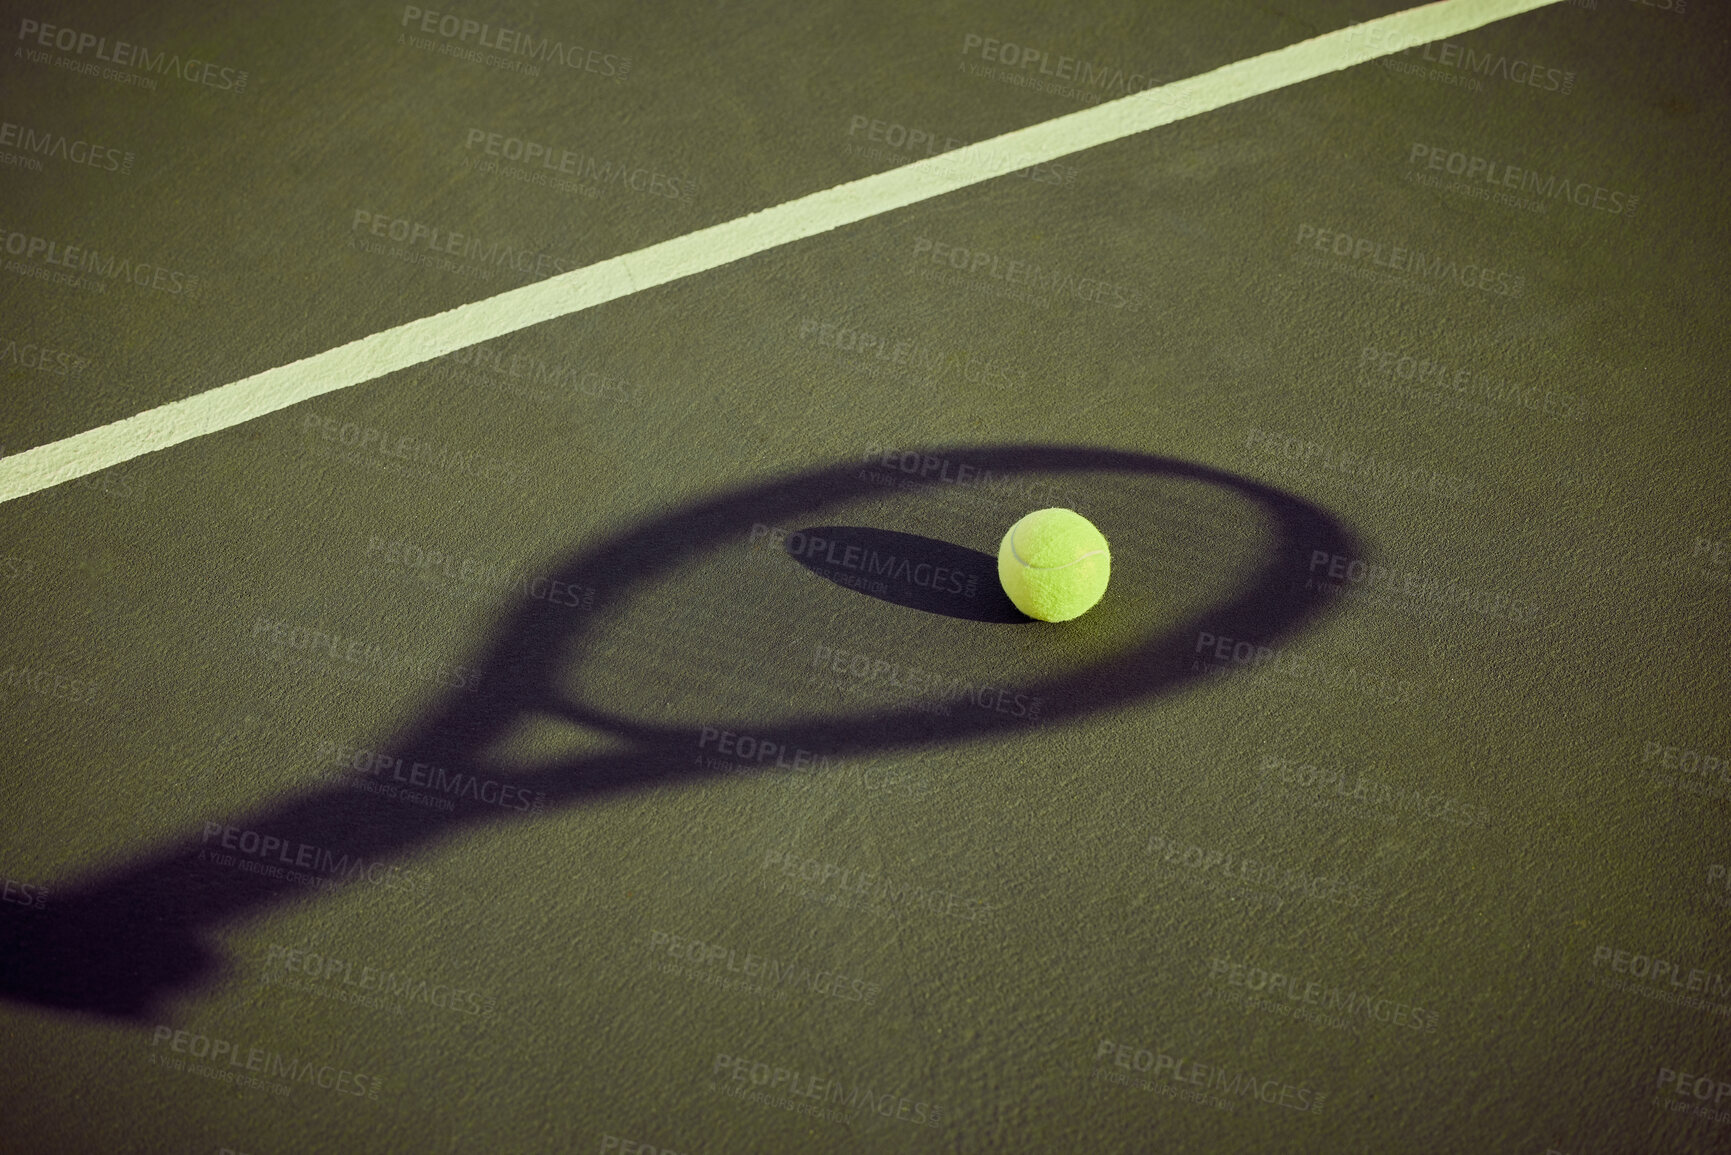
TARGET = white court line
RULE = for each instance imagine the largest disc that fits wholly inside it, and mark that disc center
(417, 341)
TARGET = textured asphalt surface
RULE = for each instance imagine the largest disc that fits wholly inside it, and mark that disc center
(611, 737)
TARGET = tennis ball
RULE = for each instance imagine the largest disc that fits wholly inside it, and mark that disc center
(1054, 564)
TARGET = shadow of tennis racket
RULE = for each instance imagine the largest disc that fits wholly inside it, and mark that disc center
(122, 944)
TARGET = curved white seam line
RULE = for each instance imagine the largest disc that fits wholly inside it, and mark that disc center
(421, 340)
(1026, 564)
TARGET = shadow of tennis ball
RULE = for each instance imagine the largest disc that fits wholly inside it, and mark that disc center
(907, 569)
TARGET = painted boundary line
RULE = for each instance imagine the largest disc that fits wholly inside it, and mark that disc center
(422, 340)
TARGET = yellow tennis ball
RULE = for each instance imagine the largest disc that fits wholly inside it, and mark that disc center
(1054, 564)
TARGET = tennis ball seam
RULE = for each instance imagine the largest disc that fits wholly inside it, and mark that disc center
(1015, 553)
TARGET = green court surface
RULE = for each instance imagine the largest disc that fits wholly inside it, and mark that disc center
(612, 736)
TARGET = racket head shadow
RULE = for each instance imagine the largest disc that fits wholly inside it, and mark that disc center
(523, 665)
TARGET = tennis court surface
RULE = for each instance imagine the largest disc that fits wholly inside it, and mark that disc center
(610, 735)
